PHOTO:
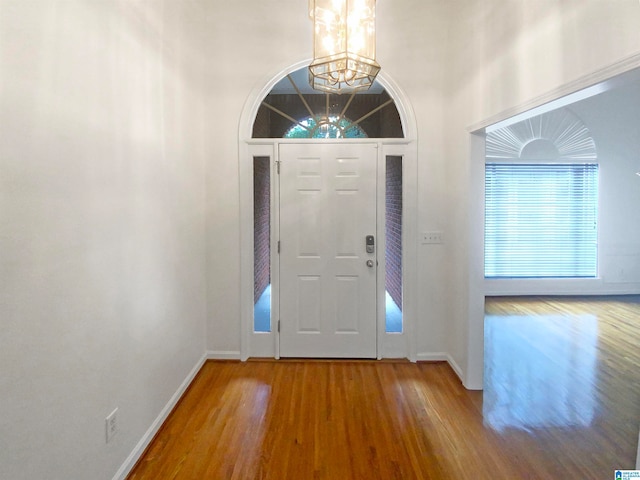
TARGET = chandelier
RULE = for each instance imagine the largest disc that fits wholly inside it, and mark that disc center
(344, 45)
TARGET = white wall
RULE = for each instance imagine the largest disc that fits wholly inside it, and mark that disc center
(102, 226)
(412, 39)
(251, 42)
(505, 54)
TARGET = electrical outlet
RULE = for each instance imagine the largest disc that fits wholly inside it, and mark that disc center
(431, 238)
(111, 424)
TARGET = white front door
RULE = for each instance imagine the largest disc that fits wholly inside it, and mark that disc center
(327, 277)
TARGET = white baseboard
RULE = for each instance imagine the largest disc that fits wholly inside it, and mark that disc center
(223, 355)
(139, 449)
(441, 357)
(432, 357)
(456, 368)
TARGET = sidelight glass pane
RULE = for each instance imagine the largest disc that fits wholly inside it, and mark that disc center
(393, 253)
(261, 244)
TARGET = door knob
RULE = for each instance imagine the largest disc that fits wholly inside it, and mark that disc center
(370, 263)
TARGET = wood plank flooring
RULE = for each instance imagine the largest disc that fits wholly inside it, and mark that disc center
(561, 400)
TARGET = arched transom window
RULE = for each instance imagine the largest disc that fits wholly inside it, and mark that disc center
(294, 110)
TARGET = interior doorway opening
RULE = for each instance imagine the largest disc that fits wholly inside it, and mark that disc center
(587, 97)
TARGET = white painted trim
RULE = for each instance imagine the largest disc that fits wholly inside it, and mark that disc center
(409, 251)
(254, 100)
(410, 293)
(404, 107)
(263, 343)
(443, 357)
(381, 247)
(553, 286)
(245, 172)
(473, 376)
(459, 372)
(223, 355)
(342, 141)
(394, 345)
(591, 84)
(146, 439)
(432, 357)
(275, 255)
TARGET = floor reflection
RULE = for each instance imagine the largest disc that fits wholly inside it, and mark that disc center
(540, 371)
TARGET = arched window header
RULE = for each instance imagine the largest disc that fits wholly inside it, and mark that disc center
(293, 110)
(558, 135)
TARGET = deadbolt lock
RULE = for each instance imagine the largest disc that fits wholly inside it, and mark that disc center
(370, 244)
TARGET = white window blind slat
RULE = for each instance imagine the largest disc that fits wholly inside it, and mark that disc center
(541, 220)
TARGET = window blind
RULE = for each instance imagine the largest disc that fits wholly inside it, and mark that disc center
(541, 220)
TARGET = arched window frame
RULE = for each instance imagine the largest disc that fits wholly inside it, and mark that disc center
(291, 102)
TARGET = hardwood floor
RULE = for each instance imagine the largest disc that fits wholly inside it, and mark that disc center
(561, 400)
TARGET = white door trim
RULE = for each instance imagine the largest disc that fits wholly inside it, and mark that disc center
(389, 345)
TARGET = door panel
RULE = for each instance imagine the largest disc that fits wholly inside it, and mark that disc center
(327, 291)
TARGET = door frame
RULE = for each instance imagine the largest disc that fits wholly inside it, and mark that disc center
(389, 345)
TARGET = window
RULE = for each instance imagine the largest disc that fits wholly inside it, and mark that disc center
(393, 251)
(541, 220)
(261, 244)
(293, 109)
(331, 127)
